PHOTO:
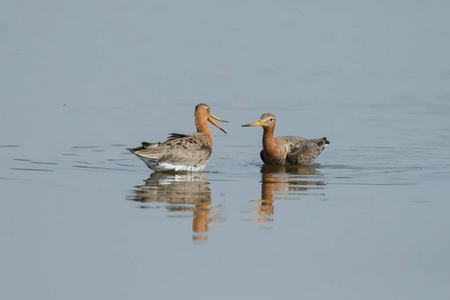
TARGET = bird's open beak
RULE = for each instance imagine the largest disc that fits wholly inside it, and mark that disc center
(259, 123)
(210, 119)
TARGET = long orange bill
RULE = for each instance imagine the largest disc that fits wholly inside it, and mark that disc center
(214, 117)
(214, 123)
(259, 123)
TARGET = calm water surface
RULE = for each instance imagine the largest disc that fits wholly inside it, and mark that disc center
(81, 217)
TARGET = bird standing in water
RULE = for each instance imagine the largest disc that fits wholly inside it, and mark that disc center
(286, 150)
(182, 152)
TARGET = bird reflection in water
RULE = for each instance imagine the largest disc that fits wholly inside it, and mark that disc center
(286, 183)
(182, 192)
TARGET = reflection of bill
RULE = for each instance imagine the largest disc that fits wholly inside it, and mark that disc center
(183, 192)
(283, 183)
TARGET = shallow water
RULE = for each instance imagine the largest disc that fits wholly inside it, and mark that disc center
(81, 217)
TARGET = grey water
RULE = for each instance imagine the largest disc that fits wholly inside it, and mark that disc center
(81, 217)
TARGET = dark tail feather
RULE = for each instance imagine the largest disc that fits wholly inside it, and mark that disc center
(321, 142)
(144, 146)
(132, 150)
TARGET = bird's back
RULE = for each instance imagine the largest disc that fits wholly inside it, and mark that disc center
(296, 150)
(180, 152)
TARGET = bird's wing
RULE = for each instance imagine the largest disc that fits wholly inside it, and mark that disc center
(179, 149)
(297, 148)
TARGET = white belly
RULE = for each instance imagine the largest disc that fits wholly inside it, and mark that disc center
(166, 166)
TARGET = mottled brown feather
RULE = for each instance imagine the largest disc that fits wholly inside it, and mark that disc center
(286, 150)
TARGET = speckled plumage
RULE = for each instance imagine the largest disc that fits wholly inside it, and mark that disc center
(181, 152)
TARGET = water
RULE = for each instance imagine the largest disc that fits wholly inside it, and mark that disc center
(81, 217)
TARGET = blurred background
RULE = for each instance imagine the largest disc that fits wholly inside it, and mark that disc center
(82, 80)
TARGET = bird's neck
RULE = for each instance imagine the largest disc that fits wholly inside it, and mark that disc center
(203, 128)
(269, 144)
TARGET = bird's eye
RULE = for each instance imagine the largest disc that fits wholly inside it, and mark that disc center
(271, 119)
